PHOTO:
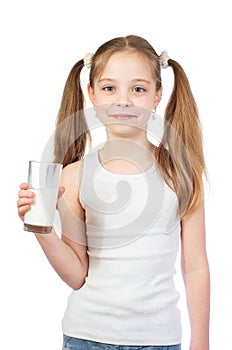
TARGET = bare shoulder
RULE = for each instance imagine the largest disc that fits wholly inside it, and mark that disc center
(70, 180)
(72, 172)
(195, 222)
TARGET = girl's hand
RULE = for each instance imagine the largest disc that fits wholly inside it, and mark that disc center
(25, 199)
(60, 193)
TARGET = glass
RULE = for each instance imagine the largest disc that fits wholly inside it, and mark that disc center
(44, 181)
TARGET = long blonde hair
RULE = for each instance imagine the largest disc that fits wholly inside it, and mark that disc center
(180, 153)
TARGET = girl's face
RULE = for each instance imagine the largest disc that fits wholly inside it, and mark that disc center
(125, 92)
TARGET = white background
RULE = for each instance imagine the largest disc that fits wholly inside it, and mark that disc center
(40, 42)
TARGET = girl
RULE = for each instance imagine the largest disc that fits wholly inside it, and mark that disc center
(126, 204)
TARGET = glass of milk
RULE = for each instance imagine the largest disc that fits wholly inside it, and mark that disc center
(44, 181)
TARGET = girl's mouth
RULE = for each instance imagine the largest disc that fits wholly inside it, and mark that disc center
(123, 116)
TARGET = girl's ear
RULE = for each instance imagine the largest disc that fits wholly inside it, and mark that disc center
(158, 97)
(91, 94)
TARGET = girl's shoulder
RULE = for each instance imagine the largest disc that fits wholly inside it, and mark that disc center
(71, 173)
(72, 167)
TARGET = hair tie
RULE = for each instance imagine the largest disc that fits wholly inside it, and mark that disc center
(88, 60)
(164, 59)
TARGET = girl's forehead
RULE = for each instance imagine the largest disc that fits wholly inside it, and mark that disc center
(127, 61)
(129, 55)
(124, 65)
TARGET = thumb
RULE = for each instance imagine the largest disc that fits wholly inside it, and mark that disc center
(61, 191)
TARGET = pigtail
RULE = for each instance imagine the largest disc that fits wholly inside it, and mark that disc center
(71, 127)
(180, 153)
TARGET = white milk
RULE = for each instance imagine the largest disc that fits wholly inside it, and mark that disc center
(43, 209)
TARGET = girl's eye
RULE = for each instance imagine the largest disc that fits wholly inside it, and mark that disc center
(138, 89)
(109, 88)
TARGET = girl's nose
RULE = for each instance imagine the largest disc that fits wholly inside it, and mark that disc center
(123, 98)
(123, 104)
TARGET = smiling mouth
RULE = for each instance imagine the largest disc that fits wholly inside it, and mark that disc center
(123, 116)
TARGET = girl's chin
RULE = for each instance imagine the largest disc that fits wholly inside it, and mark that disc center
(125, 129)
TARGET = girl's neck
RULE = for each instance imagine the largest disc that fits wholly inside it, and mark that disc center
(128, 154)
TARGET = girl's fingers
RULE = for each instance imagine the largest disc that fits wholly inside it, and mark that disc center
(61, 191)
(24, 186)
(25, 191)
(24, 204)
(25, 199)
(60, 194)
(22, 211)
(25, 194)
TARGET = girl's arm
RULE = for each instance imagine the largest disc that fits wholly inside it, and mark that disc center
(196, 277)
(68, 254)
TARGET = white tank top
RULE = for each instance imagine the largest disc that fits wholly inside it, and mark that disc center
(133, 231)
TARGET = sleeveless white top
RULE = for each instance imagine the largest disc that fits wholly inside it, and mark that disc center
(133, 231)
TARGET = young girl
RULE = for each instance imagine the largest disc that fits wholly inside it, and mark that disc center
(125, 206)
